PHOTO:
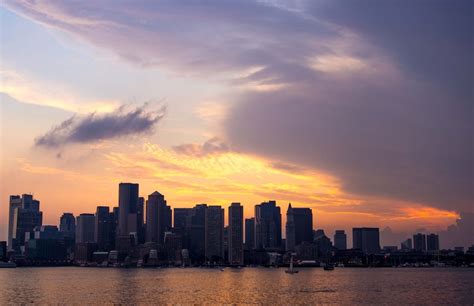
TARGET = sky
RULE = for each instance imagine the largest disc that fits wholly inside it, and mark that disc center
(362, 111)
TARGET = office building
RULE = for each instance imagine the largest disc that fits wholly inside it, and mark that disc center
(195, 233)
(236, 234)
(214, 233)
(432, 242)
(299, 226)
(419, 242)
(158, 218)
(141, 227)
(104, 232)
(67, 226)
(85, 228)
(45, 243)
(180, 216)
(24, 216)
(267, 225)
(340, 240)
(128, 209)
(250, 233)
(367, 239)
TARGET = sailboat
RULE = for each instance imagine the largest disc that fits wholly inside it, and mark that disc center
(291, 270)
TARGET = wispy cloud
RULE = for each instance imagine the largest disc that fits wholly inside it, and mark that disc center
(97, 127)
(211, 146)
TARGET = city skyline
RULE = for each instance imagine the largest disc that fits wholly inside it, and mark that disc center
(325, 105)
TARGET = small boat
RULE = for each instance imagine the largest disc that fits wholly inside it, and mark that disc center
(291, 270)
(7, 264)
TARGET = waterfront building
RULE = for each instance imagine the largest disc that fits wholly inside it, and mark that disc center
(366, 239)
(235, 234)
(104, 229)
(85, 228)
(24, 215)
(267, 225)
(340, 240)
(158, 218)
(250, 233)
(67, 226)
(180, 215)
(432, 242)
(128, 209)
(214, 233)
(419, 242)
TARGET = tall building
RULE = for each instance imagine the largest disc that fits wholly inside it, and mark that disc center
(340, 240)
(250, 233)
(299, 226)
(128, 209)
(214, 233)
(141, 229)
(236, 234)
(407, 244)
(432, 242)
(104, 232)
(267, 225)
(67, 226)
(366, 239)
(85, 228)
(180, 216)
(158, 218)
(419, 242)
(195, 235)
(25, 216)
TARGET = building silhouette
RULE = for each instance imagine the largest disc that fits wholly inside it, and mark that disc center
(236, 234)
(180, 216)
(366, 239)
(299, 226)
(67, 226)
(250, 233)
(214, 233)
(340, 240)
(432, 242)
(419, 242)
(104, 229)
(195, 232)
(267, 225)
(24, 216)
(158, 218)
(141, 228)
(85, 228)
(128, 209)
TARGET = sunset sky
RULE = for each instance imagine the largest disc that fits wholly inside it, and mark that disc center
(361, 110)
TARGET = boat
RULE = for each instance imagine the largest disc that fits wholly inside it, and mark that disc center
(291, 270)
(7, 264)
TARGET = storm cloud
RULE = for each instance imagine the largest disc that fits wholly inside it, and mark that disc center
(97, 127)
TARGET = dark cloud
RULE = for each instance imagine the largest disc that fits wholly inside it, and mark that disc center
(96, 127)
(211, 146)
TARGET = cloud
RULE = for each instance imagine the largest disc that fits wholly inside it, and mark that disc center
(97, 127)
(211, 146)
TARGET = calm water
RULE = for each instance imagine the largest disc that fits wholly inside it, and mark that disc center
(250, 285)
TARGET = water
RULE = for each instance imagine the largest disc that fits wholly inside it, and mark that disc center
(249, 285)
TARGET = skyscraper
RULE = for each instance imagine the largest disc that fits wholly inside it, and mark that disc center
(299, 226)
(141, 230)
(250, 233)
(267, 225)
(236, 234)
(158, 218)
(26, 216)
(195, 235)
(15, 202)
(419, 242)
(432, 242)
(85, 228)
(128, 209)
(340, 240)
(180, 216)
(104, 229)
(366, 239)
(67, 226)
(214, 233)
